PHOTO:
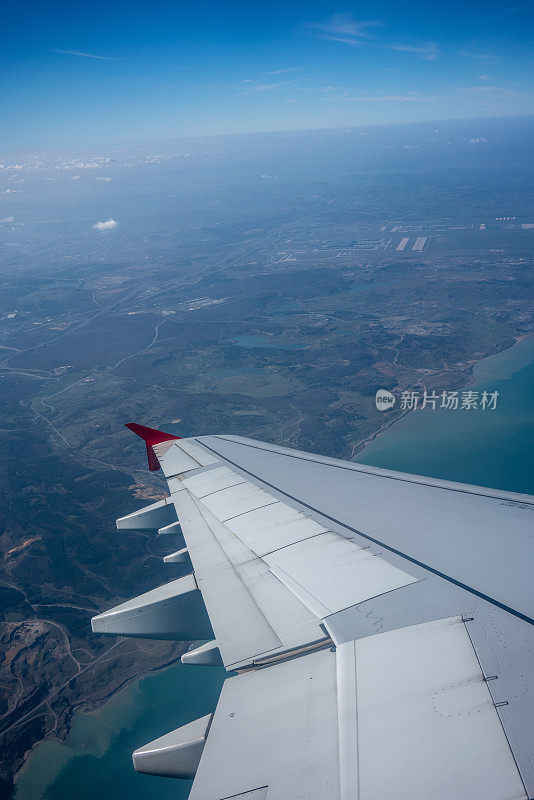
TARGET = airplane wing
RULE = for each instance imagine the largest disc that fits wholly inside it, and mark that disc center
(377, 627)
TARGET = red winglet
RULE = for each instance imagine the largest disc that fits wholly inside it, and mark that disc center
(151, 436)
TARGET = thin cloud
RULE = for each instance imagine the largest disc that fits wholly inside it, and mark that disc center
(343, 28)
(489, 89)
(396, 98)
(255, 88)
(283, 71)
(428, 51)
(84, 55)
(108, 225)
(478, 56)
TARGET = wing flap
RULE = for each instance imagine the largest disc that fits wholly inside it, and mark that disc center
(241, 629)
(403, 714)
(274, 728)
(424, 707)
(251, 612)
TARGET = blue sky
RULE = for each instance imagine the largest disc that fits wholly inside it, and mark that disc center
(78, 73)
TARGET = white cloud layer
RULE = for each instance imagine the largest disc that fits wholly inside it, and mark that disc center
(108, 225)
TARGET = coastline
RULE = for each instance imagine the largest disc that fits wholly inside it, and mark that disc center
(92, 706)
(101, 741)
(470, 378)
(490, 447)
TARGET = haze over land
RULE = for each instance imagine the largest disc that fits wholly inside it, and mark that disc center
(259, 285)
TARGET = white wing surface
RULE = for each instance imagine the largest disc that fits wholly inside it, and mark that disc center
(378, 627)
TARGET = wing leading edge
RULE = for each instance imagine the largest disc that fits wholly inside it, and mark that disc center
(359, 639)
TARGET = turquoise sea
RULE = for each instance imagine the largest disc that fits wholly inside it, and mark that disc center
(95, 762)
(487, 448)
(491, 448)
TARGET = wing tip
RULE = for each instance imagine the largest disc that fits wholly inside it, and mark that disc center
(151, 436)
